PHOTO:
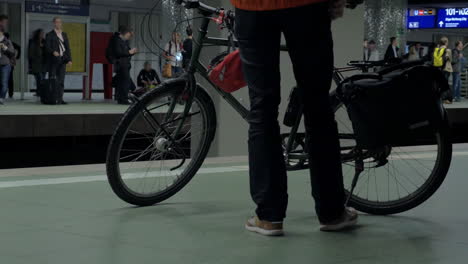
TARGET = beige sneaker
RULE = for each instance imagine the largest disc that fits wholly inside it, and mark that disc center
(349, 219)
(264, 227)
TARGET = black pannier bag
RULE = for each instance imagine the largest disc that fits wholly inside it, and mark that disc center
(394, 108)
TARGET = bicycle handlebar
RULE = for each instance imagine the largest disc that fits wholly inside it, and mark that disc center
(196, 4)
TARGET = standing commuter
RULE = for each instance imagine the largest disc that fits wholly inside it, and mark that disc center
(365, 50)
(413, 54)
(187, 48)
(6, 52)
(457, 62)
(306, 25)
(123, 54)
(392, 53)
(36, 58)
(13, 60)
(373, 53)
(59, 56)
(419, 50)
(173, 54)
(444, 54)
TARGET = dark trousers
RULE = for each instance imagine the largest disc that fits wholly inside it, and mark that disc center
(307, 31)
(39, 77)
(449, 94)
(11, 83)
(57, 71)
(123, 82)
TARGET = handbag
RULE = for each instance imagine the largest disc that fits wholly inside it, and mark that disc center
(167, 70)
(226, 72)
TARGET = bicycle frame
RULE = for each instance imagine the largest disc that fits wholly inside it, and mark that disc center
(196, 66)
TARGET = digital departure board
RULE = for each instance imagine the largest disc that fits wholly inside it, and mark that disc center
(452, 18)
(422, 18)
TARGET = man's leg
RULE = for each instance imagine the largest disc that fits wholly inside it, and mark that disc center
(11, 84)
(454, 85)
(308, 34)
(259, 37)
(4, 77)
(458, 87)
(123, 84)
(61, 70)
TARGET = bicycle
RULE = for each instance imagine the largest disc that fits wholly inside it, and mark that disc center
(164, 137)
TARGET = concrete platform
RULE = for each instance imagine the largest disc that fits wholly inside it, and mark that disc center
(80, 221)
(30, 119)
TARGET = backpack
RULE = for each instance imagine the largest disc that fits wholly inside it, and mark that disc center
(439, 57)
(110, 51)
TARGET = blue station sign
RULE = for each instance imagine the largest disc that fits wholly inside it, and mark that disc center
(421, 18)
(56, 9)
(453, 18)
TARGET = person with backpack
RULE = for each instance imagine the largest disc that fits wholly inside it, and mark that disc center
(306, 25)
(120, 55)
(443, 60)
(173, 55)
(457, 63)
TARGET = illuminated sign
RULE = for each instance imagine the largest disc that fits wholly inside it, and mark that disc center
(56, 9)
(453, 18)
(421, 18)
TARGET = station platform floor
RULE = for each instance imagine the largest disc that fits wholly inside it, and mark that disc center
(70, 215)
(31, 106)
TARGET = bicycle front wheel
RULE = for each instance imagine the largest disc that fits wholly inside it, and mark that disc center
(160, 144)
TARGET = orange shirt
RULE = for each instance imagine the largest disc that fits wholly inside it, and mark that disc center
(263, 5)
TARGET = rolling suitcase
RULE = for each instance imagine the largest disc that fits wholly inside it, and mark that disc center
(49, 92)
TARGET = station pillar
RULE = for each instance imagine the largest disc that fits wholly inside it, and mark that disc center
(385, 19)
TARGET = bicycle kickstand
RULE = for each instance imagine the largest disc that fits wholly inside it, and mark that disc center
(358, 170)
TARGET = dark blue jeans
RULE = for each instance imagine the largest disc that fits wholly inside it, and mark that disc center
(307, 31)
(456, 85)
(4, 79)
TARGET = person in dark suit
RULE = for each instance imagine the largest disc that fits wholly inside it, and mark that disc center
(392, 53)
(123, 55)
(58, 55)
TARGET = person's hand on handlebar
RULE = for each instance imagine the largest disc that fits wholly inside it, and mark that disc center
(337, 8)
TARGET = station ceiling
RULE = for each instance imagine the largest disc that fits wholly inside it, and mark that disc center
(446, 3)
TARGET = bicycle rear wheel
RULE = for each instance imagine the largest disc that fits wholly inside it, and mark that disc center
(158, 147)
(411, 176)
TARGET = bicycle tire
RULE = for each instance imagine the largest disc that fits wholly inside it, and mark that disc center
(112, 164)
(426, 191)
